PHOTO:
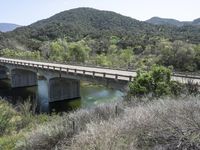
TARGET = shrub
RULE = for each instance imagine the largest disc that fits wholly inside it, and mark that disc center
(176, 88)
(14, 124)
(192, 88)
(157, 82)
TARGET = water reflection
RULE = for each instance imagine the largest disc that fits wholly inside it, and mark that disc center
(91, 95)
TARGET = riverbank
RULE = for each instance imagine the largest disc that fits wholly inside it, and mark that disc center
(166, 123)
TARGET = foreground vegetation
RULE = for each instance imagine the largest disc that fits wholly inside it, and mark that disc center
(137, 124)
(162, 124)
(15, 122)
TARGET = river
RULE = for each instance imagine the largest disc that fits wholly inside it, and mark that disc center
(91, 95)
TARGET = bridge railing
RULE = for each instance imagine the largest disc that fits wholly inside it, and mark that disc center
(69, 70)
(77, 64)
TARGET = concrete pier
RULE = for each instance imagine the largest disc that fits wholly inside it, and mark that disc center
(23, 78)
(63, 89)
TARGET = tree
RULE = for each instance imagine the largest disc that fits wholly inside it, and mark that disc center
(126, 57)
(78, 51)
(180, 55)
(57, 51)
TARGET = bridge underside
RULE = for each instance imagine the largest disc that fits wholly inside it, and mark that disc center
(23, 78)
(3, 72)
(63, 89)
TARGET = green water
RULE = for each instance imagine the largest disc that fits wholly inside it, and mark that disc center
(91, 95)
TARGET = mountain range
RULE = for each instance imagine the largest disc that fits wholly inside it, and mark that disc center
(5, 27)
(166, 21)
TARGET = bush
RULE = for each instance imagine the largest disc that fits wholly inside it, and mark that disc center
(176, 88)
(14, 125)
(157, 82)
(192, 88)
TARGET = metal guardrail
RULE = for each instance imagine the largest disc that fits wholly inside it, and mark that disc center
(68, 70)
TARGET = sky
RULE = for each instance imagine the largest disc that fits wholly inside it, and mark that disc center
(25, 12)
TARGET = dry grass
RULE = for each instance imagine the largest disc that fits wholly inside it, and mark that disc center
(160, 124)
(63, 128)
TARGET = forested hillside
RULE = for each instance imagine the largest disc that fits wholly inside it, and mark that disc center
(97, 37)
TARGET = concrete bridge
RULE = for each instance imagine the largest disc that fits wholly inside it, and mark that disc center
(64, 80)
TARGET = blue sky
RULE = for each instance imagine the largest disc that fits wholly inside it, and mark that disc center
(25, 12)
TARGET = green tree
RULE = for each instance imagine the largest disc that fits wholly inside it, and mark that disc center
(78, 51)
(180, 55)
(126, 57)
(103, 60)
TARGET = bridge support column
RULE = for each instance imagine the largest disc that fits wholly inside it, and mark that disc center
(3, 73)
(23, 78)
(63, 89)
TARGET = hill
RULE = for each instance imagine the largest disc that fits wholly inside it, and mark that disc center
(81, 22)
(76, 24)
(5, 27)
